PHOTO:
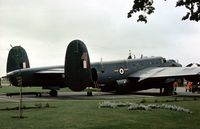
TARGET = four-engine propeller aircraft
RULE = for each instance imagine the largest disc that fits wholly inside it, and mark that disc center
(77, 73)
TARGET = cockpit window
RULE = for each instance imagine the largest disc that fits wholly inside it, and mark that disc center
(172, 61)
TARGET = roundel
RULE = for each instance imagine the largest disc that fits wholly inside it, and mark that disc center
(121, 71)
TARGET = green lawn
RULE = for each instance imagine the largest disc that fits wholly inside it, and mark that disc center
(85, 114)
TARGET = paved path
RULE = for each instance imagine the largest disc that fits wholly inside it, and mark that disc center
(96, 95)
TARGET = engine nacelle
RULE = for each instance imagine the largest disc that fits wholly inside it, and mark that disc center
(77, 66)
(123, 86)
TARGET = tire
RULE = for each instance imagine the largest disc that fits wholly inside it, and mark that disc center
(89, 93)
(194, 88)
(53, 93)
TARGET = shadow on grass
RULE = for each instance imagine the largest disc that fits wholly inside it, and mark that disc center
(37, 106)
(19, 117)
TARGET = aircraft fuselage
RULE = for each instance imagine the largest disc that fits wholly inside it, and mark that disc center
(107, 74)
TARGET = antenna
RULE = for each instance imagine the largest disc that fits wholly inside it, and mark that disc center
(130, 56)
(102, 68)
(101, 60)
(141, 56)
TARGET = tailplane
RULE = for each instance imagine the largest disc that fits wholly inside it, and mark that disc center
(77, 66)
(17, 59)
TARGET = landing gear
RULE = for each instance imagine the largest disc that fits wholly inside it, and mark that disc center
(168, 91)
(161, 91)
(89, 93)
(53, 93)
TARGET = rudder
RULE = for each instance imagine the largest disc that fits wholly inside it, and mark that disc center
(77, 66)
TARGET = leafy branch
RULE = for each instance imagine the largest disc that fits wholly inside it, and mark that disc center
(146, 6)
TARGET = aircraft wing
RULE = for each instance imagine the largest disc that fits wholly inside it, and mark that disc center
(166, 72)
(51, 71)
(50, 77)
(56, 72)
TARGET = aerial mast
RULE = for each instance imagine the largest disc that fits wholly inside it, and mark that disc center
(130, 56)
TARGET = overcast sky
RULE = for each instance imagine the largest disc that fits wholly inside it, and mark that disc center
(45, 28)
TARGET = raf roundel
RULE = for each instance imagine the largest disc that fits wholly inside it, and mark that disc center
(121, 71)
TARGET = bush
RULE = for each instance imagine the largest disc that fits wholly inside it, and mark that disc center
(143, 101)
(156, 101)
(47, 105)
(195, 98)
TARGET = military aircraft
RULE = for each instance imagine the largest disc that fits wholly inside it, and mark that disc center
(78, 73)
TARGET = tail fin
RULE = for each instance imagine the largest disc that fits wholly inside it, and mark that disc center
(77, 66)
(17, 59)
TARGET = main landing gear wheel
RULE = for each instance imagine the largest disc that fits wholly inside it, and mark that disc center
(89, 93)
(168, 91)
(53, 93)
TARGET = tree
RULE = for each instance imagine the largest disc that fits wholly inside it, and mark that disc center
(146, 6)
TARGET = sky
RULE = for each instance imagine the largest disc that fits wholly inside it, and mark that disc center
(45, 27)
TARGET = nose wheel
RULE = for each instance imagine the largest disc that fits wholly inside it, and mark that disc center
(53, 93)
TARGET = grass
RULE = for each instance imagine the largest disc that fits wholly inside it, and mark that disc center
(11, 89)
(85, 114)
